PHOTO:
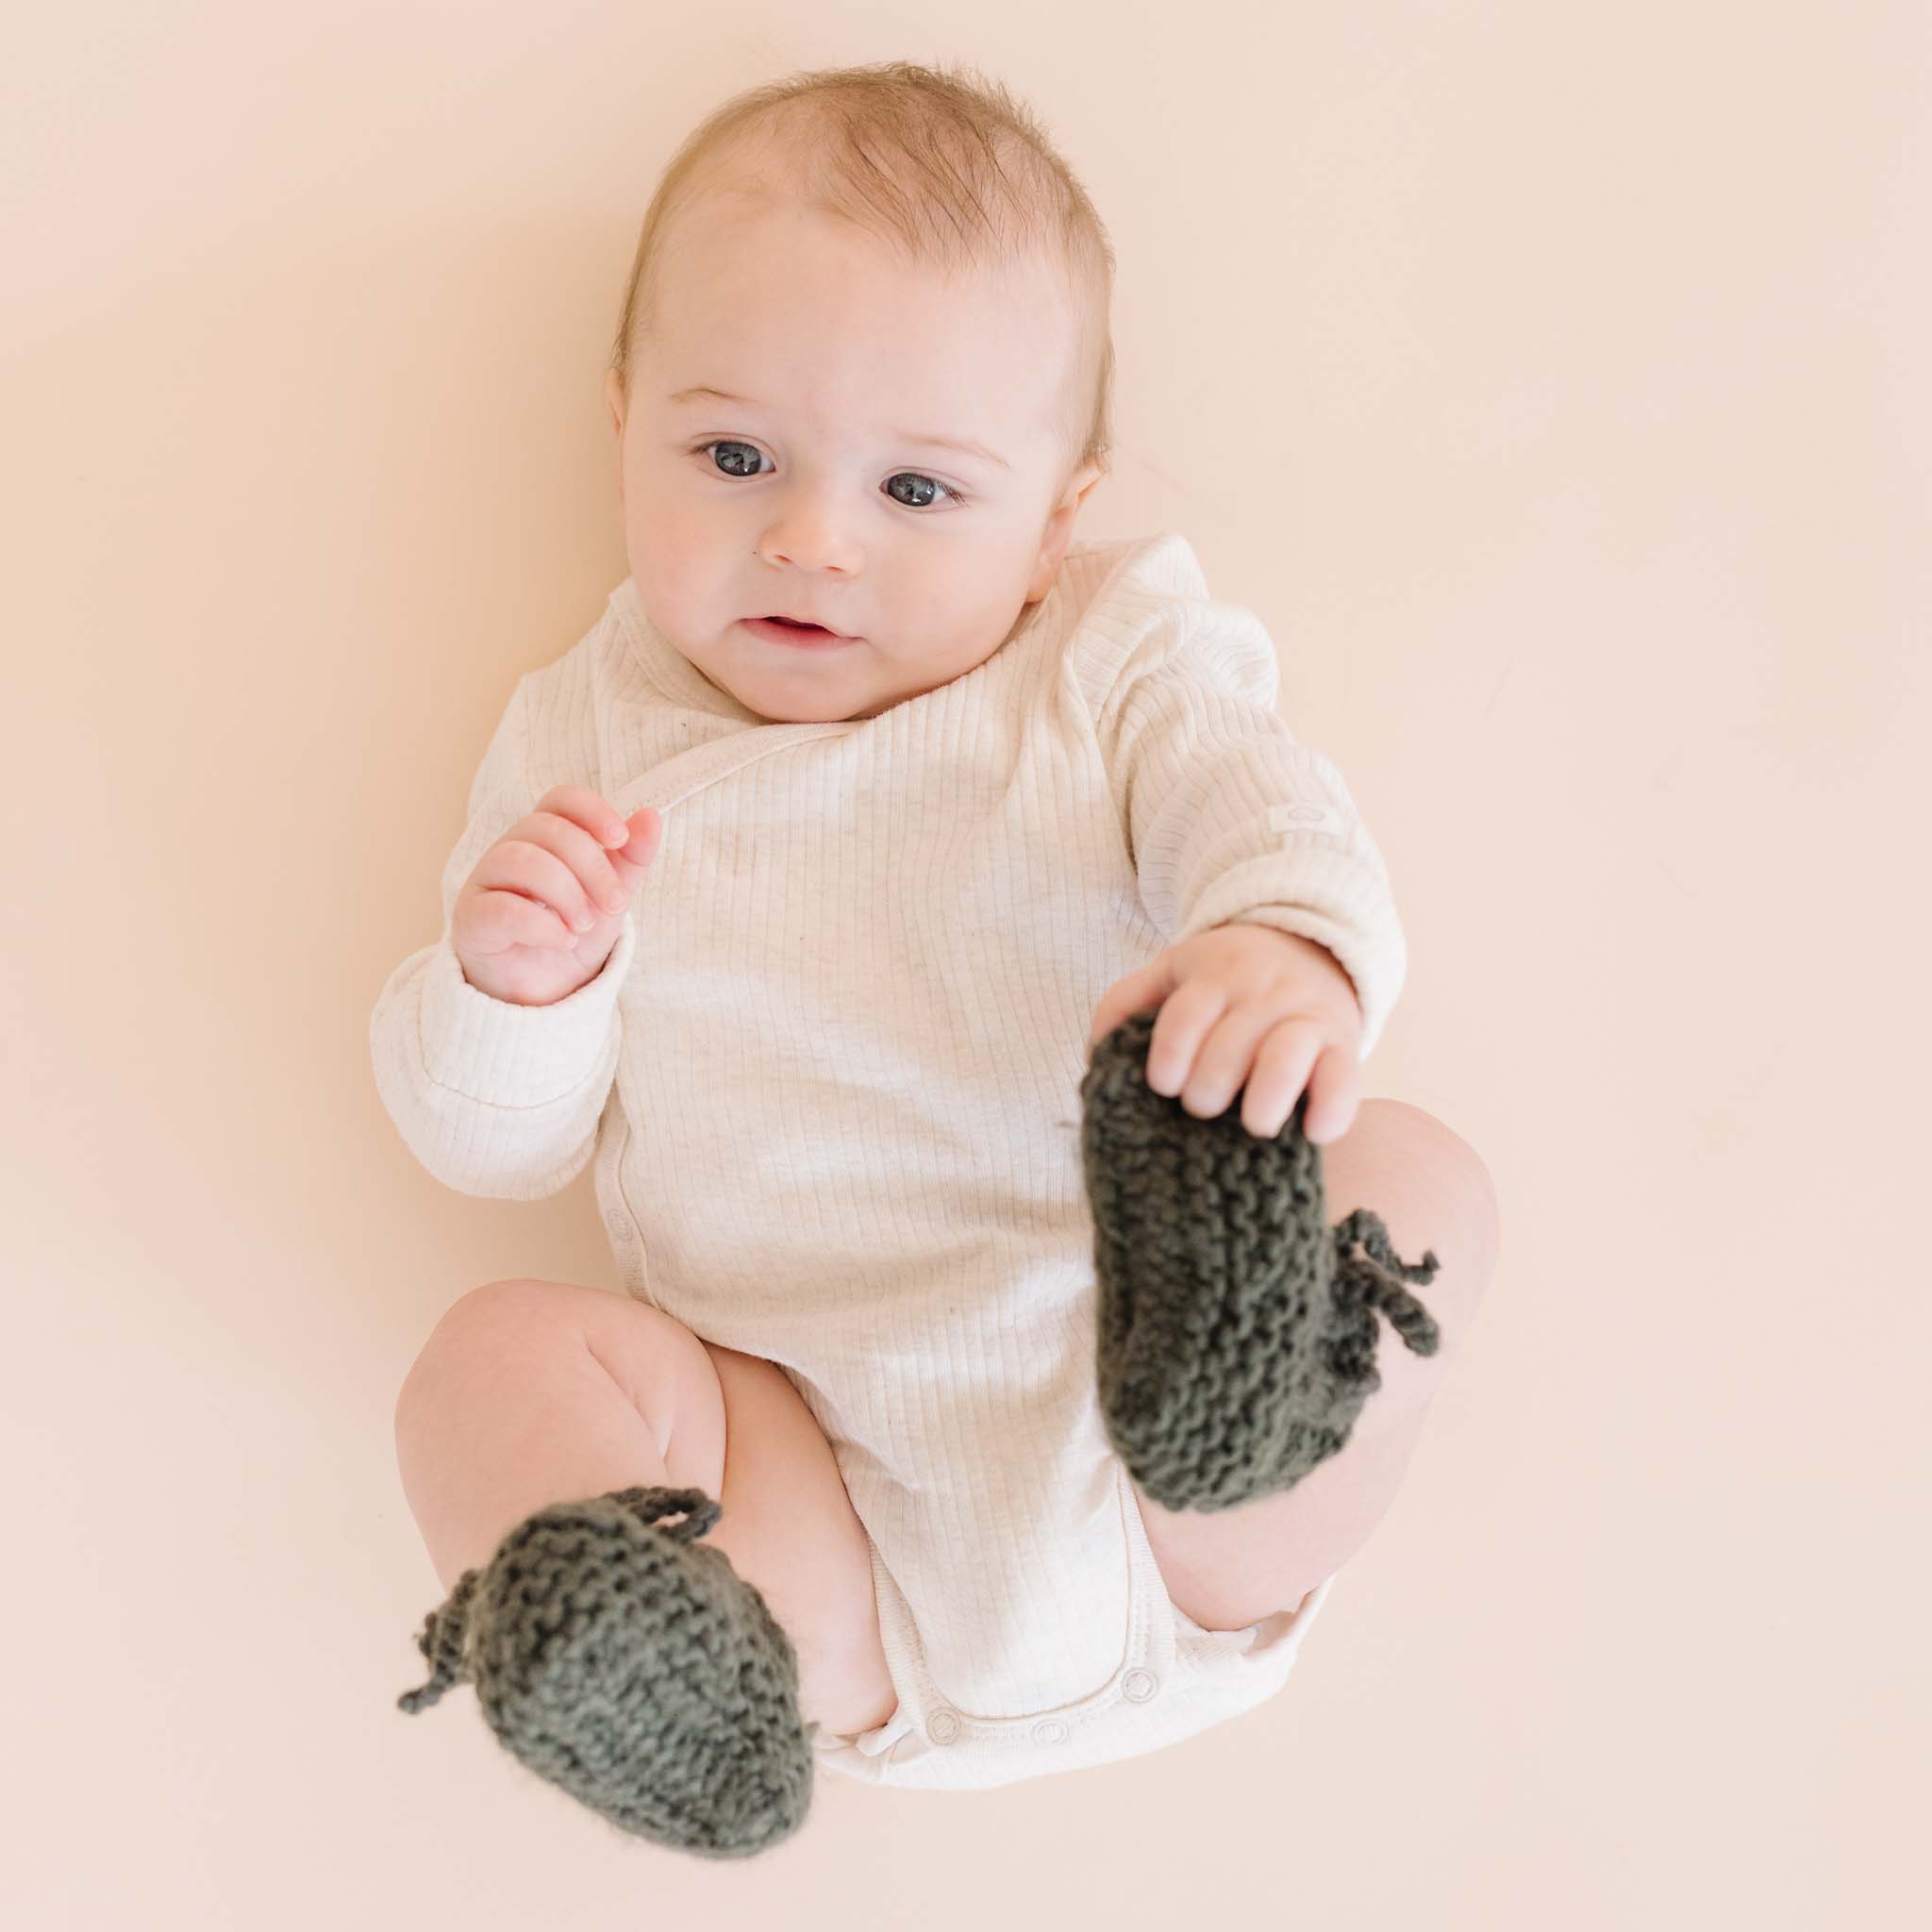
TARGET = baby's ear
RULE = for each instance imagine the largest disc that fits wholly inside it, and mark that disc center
(615, 402)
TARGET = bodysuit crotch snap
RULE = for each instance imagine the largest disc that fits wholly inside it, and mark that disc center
(1145, 1671)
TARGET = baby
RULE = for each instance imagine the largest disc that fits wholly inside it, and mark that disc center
(797, 892)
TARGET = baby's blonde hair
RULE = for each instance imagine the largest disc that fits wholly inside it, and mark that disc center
(944, 167)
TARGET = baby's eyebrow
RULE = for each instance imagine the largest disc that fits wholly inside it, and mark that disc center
(964, 446)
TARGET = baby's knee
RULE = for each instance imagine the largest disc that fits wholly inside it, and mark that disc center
(522, 1334)
(518, 1302)
(497, 1319)
(521, 1309)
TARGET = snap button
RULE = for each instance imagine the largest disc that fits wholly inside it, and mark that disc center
(1049, 1730)
(942, 1726)
(619, 1225)
(1139, 1684)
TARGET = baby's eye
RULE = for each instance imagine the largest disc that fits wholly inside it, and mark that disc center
(932, 483)
(725, 443)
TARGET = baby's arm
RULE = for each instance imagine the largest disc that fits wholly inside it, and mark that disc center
(496, 1099)
(1229, 817)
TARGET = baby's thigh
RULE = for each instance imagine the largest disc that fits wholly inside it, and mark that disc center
(788, 1527)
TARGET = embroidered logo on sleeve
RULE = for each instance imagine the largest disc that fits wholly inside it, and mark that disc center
(1302, 816)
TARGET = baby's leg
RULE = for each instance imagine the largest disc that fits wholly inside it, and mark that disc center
(533, 1392)
(1433, 1191)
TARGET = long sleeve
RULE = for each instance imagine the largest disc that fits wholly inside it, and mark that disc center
(493, 1098)
(1231, 819)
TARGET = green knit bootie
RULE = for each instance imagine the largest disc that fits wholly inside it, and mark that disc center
(1236, 1329)
(631, 1665)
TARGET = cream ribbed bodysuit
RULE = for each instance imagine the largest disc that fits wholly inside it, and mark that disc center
(829, 1080)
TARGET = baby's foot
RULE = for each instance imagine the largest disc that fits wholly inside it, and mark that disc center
(631, 1665)
(1236, 1330)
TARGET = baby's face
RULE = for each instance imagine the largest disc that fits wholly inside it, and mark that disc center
(821, 495)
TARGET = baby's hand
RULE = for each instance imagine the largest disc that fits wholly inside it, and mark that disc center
(542, 911)
(1248, 1007)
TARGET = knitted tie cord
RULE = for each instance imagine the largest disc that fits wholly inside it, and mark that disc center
(1236, 1330)
(629, 1664)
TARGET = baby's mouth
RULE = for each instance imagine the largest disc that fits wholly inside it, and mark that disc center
(804, 633)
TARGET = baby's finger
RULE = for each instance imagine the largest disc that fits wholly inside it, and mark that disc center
(1334, 1095)
(583, 806)
(606, 891)
(526, 860)
(639, 846)
(505, 919)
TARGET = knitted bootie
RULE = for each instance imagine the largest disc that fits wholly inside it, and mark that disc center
(631, 1665)
(1237, 1331)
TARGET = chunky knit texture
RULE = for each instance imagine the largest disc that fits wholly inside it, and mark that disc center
(630, 1664)
(1237, 1335)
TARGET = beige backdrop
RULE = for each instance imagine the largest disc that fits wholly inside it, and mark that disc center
(1552, 380)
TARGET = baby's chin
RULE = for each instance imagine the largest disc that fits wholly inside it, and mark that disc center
(837, 702)
(811, 693)
(848, 686)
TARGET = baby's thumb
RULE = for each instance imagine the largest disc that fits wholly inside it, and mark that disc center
(645, 825)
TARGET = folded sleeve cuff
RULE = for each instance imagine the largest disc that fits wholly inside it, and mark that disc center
(508, 1054)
